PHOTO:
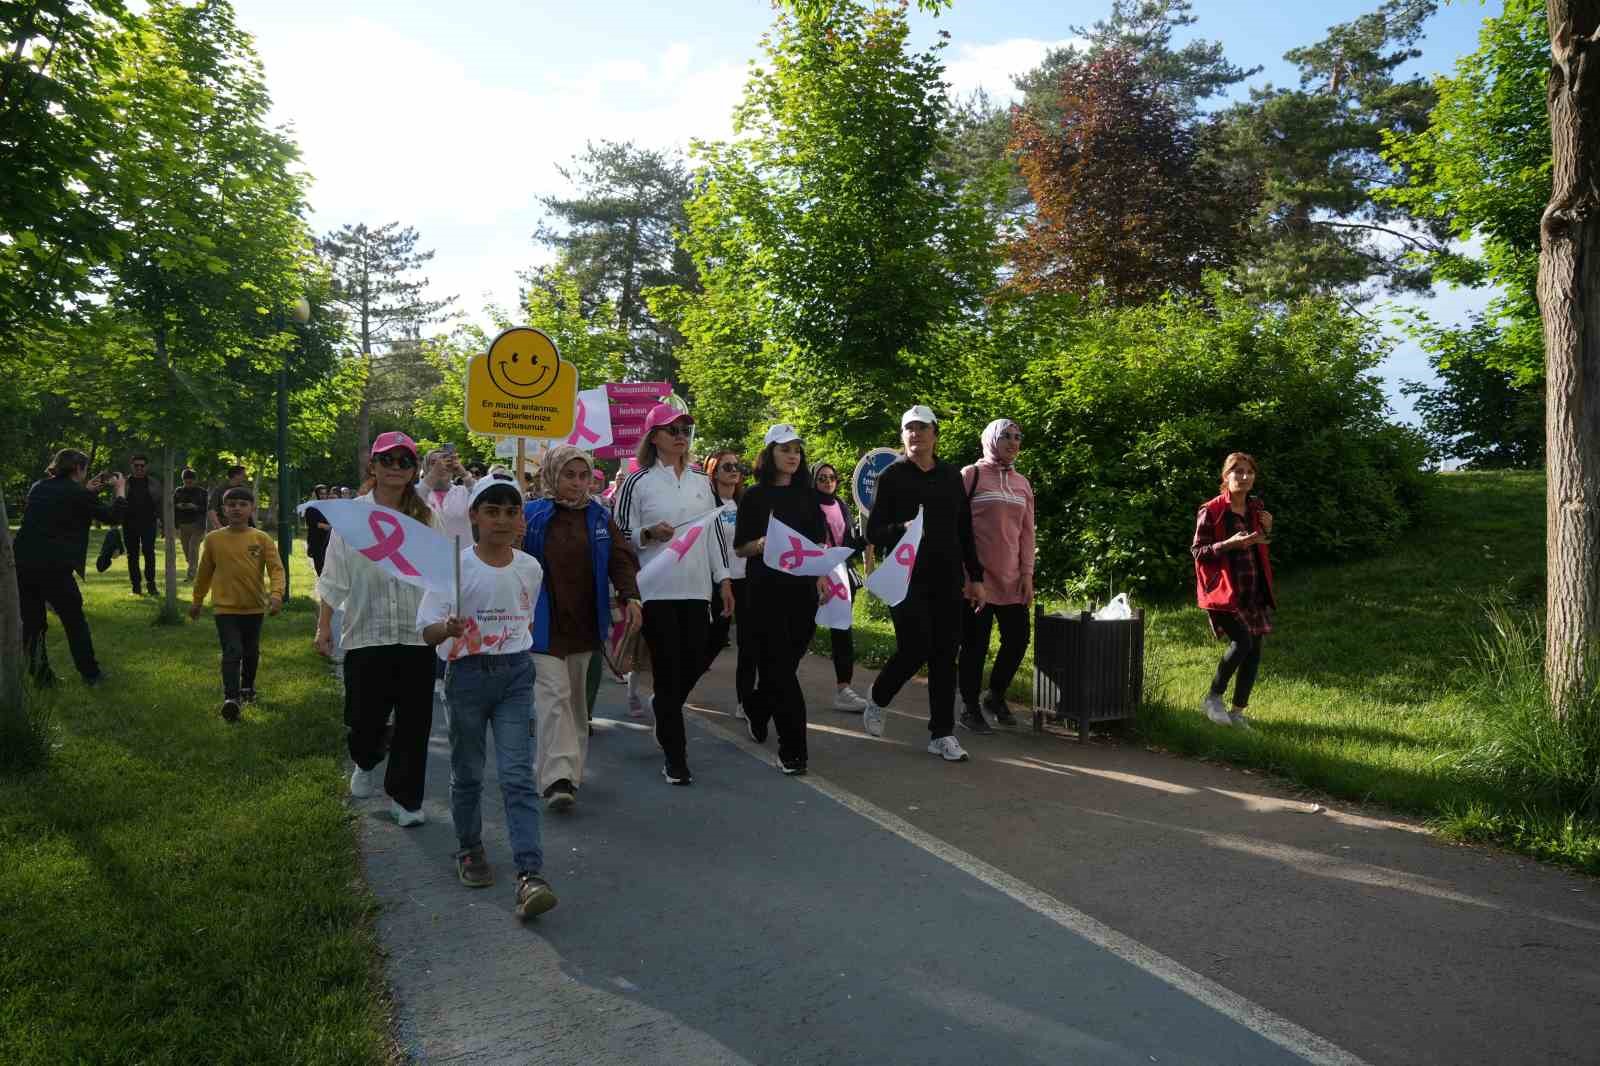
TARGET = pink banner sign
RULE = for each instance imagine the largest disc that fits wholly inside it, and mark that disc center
(630, 402)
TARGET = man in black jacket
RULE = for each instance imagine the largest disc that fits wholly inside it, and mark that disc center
(189, 506)
(139, 523)
(51, 545)
(927, 623)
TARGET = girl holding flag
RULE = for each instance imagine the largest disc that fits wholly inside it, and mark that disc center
(664, 510)
(387, 666)
(574, 538)
(841, 532)
(782, 613)
(727, 473)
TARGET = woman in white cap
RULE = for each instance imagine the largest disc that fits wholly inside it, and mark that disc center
(1002, 525)
(782, 613)
(387, 665)
(927, 623)
(665, 494)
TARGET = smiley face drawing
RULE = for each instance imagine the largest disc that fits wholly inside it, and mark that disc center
(523, 363)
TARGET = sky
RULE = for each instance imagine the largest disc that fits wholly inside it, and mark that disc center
(453, 118)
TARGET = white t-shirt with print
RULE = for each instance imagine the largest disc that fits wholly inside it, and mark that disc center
(496, 603)
(729, 518)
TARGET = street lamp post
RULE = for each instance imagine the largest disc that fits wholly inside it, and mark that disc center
(301, 313)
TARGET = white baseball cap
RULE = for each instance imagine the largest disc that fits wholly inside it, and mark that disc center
(491, 481)
(919, 413)
(782, 433)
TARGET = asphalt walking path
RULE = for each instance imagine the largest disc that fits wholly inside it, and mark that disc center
(1044, 902)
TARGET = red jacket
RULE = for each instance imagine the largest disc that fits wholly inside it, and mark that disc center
(1212, 578)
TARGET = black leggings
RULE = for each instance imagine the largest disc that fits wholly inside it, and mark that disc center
(744, 677)
(675, 632)
(1013, 619)
(240, 637)
(844, 655)
(788, 619)
(927, 630)
(1243, 655)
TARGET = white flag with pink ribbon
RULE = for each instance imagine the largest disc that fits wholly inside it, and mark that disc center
(686, 551)
(788, 552)
(835, 610)
(892, 578)
(402, 547)
(591, 421)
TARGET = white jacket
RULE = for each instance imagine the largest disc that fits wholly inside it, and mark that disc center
(661, 495)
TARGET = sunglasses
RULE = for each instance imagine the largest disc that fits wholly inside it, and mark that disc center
(403, 460)
(675, 430)
(732, 468)
(827, 477)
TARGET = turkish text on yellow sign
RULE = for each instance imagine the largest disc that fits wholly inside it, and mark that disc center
(521, 387)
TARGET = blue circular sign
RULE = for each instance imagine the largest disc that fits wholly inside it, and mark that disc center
(864, 482)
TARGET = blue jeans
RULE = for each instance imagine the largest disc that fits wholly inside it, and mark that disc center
(494, 692)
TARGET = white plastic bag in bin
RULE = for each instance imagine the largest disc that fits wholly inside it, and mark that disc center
(1118, 610)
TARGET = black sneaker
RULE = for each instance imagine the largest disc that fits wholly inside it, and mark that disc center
(230, 710)
(247, 695)
(676, 771)
(95, 680)
(560, 796)
(973, 719)
(791, 765)
(996, 704)
(758, 730)
(534, 895)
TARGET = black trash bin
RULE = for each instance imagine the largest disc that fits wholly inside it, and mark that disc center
(1086, 671)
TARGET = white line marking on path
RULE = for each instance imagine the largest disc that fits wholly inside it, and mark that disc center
(1230, 1004)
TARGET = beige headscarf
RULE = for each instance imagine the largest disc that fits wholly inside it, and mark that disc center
(558, 457)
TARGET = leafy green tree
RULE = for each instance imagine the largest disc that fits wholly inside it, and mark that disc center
(1477, 412)
(375, 290)
(827, 223)
(1125, 204)
(618, 239)
(1482, 169)
(1324, 224)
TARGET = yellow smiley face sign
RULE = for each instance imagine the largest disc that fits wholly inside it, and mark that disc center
(521, 387)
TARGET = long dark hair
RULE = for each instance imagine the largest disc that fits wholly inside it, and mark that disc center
(66, 462)
(767, 467)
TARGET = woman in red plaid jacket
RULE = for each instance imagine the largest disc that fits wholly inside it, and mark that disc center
(1233, 584)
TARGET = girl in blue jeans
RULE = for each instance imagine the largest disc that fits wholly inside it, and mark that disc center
(489, 687)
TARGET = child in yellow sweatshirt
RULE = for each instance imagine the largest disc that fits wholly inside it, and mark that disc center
(235, 558)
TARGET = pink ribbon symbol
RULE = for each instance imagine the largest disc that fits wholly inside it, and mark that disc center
(685, 542)
(581, 429)
(906, 555)
(391, 537)
(796, 556)
(838, 590)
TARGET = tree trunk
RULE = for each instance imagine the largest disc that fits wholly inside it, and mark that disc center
(1569, 302)
(169, 523)
(13, 691)
(363, 432)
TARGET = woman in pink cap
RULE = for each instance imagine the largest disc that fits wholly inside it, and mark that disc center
(387, 666)
(664, 495)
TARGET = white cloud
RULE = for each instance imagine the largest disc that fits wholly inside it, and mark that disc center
(991, 67)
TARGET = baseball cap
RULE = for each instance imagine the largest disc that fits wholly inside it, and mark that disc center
(782, 433)
(493, 481)
(392, 440)
(664, 414)
(919, 413)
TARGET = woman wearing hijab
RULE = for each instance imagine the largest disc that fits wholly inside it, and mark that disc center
(1233, 584)
(1002, 527)
(584, 556)
(841, 533)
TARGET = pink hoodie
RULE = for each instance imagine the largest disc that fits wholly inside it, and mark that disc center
(1002, 520)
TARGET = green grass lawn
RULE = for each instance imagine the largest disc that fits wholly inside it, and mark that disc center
(1365, 689)
(174, 889)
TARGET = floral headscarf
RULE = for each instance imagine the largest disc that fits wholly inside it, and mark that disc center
(991, 439)
(554, 460)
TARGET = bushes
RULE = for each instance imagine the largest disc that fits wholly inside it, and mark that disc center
(1127, 415)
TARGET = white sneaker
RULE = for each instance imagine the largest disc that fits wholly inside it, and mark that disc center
(635, 707)
(404, 818)
(360, 783)
(872, 719)
(848, 701)
(438, 689)
(738, 713)
(947, 748)
(1214, 709)
(1239, 721)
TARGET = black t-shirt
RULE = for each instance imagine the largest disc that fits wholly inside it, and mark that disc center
(795, 505)
(316, 536)
(189, 505)
(142, 506)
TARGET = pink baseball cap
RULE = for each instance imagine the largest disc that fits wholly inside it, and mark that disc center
(664, 414)
(392, 440)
